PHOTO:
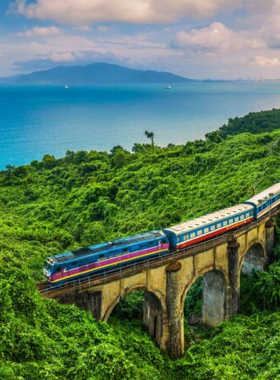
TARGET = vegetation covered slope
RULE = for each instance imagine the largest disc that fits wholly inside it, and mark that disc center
(254, 122)
(50, 206)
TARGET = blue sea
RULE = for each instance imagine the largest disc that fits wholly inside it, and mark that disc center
(39, 120)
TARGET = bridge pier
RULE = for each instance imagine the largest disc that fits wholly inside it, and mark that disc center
(214, 298)
(153, 317)
(175, 342)
(233, 270)
(90, 301)
(269, 240)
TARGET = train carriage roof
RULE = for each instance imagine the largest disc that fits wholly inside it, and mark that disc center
(208, 219)
(103, 247)
(265, 195)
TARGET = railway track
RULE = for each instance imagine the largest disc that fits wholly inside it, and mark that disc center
(111, 275)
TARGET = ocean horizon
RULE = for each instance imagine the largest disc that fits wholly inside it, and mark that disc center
(39, 120)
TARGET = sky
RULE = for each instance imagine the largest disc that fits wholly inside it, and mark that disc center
(216, 39)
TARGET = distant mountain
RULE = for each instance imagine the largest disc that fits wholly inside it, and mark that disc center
(97, 73)
(10, 80)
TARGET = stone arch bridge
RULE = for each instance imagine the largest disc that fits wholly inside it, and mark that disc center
(167, 280)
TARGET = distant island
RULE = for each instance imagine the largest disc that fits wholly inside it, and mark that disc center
(95, 73)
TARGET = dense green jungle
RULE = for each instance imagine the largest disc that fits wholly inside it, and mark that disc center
(51, 206)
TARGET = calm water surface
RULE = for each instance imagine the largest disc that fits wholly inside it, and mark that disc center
(38, 120)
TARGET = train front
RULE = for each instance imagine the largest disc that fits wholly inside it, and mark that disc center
(48, 268)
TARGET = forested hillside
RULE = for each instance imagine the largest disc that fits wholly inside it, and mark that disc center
(254, 122)
(87, 197)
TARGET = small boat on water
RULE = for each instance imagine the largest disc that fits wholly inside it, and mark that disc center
(65, 87)
(167, 87)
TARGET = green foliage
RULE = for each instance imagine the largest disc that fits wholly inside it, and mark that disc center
(249, 299)
(87, 197)
(193, 300)
(261, 290)
(130, 306)
(268, 287)
(254, 122)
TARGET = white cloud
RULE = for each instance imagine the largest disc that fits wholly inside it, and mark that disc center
(103, 29)
(260, 6)
(83, 28)
(70, 58)
(215, 37)
(84, 12)
(37, 31)
(265, 61)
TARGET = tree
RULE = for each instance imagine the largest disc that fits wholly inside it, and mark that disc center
(10, 169)
(49, 161)
(150, 135)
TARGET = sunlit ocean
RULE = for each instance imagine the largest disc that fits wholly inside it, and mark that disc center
(39, 120)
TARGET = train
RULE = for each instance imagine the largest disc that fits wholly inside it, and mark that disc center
(98, 258)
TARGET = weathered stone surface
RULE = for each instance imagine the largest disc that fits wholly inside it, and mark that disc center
(269, 243)
(214, 293)
(233, 270)
(174, 311)
(204, 260)
(174, 267)
(91, 301)
(254, 260)
(152, 316)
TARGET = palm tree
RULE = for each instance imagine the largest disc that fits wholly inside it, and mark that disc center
(150, 135)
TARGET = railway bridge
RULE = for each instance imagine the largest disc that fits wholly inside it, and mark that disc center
(167, 280)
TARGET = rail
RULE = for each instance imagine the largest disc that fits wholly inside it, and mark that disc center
(129, 270)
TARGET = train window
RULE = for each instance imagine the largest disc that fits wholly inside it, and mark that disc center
(236, 219)
(225, 223)
(192, 235)
(247, 214)
(58, 269)
(125, 250)
(74, 264)
(178, 240)
(199, 232)
(212, 228)
(151, 242)
(186, 237)
(101, 257)
(219, 225)
(206, 229)
(241, 217)
(230, 221)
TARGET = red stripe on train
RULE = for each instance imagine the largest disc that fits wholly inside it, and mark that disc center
(212, 234)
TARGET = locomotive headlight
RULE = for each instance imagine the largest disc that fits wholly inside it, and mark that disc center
(46, 272)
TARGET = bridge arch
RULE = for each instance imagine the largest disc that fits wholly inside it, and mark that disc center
(127, 291)
(214, 296)
(154, 310)
(253, 258)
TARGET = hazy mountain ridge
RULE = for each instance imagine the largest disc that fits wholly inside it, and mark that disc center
(95, 73)
(10, 80)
